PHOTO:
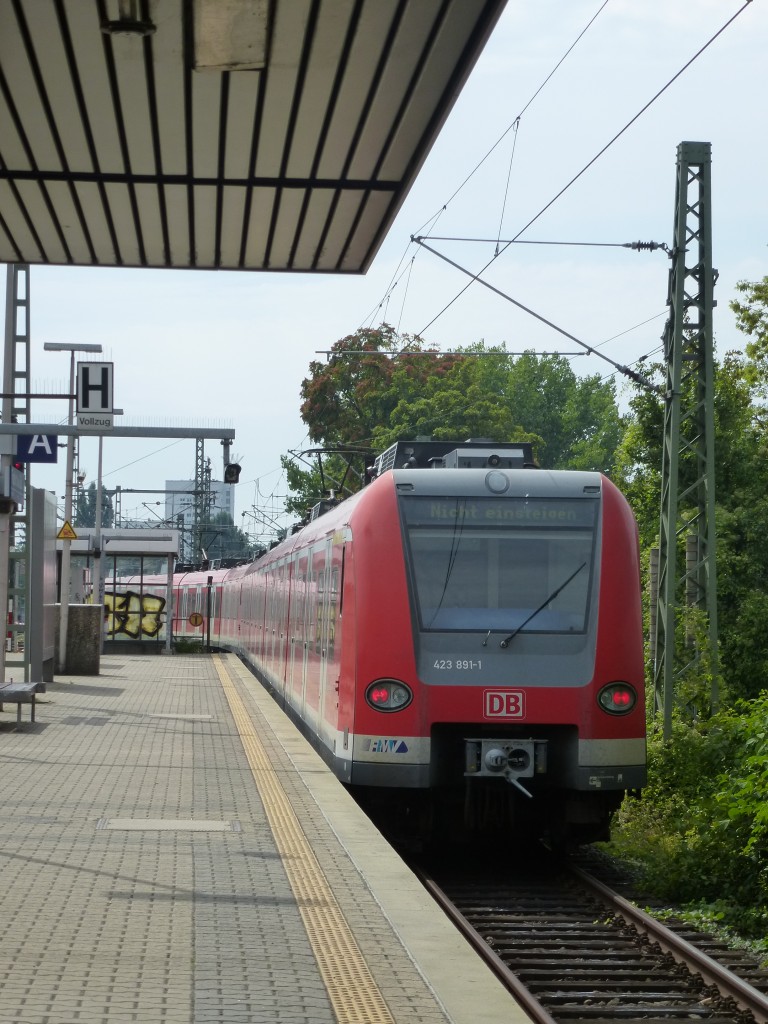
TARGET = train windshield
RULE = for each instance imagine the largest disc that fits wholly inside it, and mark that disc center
(513, 565)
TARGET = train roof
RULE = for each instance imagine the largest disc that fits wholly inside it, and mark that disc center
(474, 453)
(496, 482)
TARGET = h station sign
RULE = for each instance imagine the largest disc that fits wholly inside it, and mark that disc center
(94, 391)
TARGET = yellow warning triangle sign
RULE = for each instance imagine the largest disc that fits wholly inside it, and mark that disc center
(66, 532)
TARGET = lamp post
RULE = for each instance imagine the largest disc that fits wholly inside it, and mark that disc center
(65, 582)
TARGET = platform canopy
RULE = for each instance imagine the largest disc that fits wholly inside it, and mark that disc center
(250, 134)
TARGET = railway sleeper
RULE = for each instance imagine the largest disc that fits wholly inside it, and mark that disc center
(562, 981)
(585, 996)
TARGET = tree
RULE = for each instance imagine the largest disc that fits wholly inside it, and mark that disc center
(741, 515)
(453, 397)
(752, 319)
(350, 398)
(86, 508)
(478, 391)
(332, 474)
(220, 538)
(706, 807)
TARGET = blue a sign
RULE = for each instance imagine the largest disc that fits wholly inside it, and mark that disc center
(37, 448)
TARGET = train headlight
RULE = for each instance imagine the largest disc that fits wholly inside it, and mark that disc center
(617, 698)
(388, 695)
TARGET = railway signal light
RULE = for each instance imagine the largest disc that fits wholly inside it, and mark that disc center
(232, 473)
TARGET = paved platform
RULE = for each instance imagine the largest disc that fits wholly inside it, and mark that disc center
(172, 850)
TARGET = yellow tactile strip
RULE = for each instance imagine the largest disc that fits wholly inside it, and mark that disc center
(350, 986)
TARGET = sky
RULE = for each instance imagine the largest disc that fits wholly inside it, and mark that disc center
(229, 349)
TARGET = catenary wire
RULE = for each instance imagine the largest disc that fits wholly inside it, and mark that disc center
(430, 223)
(591, 162)
(509, 127)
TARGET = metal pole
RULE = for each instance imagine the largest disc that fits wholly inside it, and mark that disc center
(653, 586)
(208, 612)
(169, 606)
(65, 585)
(5, 460)
(97, 561)
(5, 548)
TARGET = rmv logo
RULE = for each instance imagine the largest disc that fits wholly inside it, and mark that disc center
(382, 746)
(503, 704)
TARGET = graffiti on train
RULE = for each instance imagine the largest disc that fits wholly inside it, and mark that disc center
(133, 616)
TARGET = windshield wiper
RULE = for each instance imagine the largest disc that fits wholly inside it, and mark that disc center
(505, 642)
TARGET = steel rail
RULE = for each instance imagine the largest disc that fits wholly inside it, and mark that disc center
(747, 997)
(508, 978)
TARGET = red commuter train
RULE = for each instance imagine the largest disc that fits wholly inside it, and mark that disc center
(461, 640)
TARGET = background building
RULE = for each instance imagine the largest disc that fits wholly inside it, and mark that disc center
(180, 510)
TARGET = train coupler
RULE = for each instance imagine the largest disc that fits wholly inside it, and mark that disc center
(511, 760)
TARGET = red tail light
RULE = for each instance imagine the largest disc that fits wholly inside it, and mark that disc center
(617, 698)
(388, 695)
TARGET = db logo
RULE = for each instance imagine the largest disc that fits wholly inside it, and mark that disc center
(503, 704)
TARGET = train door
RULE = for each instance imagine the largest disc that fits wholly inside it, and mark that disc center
(288, 567)
(298, 634)
(325, 623)
(179, 610)
(258, 586)
(270, 638)
(311, 692)
(280, 605)
(333, 666)
(236, 616)
(213, 610)
(247, 618)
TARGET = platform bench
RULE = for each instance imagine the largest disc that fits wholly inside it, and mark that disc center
(18, 694)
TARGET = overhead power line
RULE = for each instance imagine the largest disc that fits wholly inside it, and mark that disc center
(516, 120)
(638, 246)
(403, 353)
(431, 221)
(638, 378)
(590, 163)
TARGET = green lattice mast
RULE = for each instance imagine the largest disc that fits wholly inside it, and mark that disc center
(688, 462)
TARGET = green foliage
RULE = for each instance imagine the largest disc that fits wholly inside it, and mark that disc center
(188, 645)
(346, 399)
(700, 833)
(304, 485)
(86, 508)
(752, 319)
(367, 401)
(699, 836)
(741, 514)
(341, 476)
(220, 538)
(375, 399)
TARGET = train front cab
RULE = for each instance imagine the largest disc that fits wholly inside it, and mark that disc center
(527, 669)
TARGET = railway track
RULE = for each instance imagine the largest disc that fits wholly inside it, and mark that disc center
(572, 950)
